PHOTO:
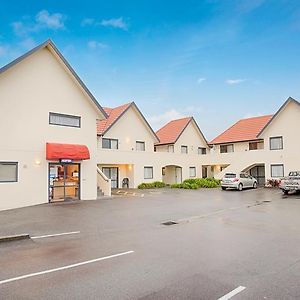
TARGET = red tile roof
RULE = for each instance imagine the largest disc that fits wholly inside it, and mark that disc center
(243, 130)
(113, 116)
(169, 133)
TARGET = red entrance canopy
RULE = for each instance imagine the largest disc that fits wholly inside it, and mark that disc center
(66, 151)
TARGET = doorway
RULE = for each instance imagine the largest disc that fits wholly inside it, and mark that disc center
(64, 181)
(113, 174)
(178, 174)
(258, 172)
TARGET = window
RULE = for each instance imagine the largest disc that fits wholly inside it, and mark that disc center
(256, 145)
(276, 143)
(226, 148)
(140, 146)
(192, 171)
(277, 171)
(184, 149)
(64, 120)
(148, 172)
(8, 171)
(170, 148)
(201, 150)
(109, 144)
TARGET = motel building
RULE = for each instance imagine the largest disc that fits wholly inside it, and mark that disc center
(58, 143)
(267, 147)
(130, 152)
(48, 149)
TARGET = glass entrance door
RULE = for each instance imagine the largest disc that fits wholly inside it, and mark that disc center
(113, 174)
(64, 181)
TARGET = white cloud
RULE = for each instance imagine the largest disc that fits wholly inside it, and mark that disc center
(42, 20)
(158, 121)
(95, 45)
(193, 109)
(116, 23)
(200, 80)
(234, 81)
(28, 43)
(52, 21)
(87, 21)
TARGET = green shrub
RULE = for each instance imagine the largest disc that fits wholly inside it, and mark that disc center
(197, 183)
(151, 185)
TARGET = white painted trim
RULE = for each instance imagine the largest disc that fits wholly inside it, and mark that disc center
(55, 234)
(63, 268)
(232, 293)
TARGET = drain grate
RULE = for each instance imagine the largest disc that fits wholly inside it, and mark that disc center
(168, 223)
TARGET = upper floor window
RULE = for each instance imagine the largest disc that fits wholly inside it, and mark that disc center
(201, 150)
(170, 148)
(140, 146)
(184, 149)
(256, 145)
(110, 143)
(226, 148)
(276, 143)
(192, 171)
(64, 120)
(8, 171)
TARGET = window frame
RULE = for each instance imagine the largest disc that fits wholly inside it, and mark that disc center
(64, 115)
(277, 165)
(226, 145)
(140, 143)
(276, 137)
(12, 163)
(148, 167)
(200, 151)
(192, 168)
(184, 147)
(110, 140)
(172, 147)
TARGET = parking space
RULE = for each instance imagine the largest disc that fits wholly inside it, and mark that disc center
(118, 248)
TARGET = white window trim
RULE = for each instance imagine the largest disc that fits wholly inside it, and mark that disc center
(12, 163)
(148, 167)
(277, 165)
(59, 115)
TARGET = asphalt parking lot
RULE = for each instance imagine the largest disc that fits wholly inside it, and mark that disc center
(240, 244)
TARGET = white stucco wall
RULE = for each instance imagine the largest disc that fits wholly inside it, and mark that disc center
(28, 92)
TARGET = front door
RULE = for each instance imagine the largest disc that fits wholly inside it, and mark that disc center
(64, 181)
(178, 174)
(113, 174)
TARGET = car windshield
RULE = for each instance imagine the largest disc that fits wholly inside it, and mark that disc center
(230, 175)
(294, 173)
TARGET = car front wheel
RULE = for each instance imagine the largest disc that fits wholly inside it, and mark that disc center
(255, 185)
(223, 188)
(285, 192)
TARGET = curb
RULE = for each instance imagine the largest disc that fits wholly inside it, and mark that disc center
(11, 238)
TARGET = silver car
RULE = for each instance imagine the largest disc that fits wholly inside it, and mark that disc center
(238, 181)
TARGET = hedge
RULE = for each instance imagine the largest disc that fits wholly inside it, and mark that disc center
(151, 185)
(197, 183)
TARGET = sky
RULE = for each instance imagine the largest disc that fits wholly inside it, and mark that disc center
(218, 60)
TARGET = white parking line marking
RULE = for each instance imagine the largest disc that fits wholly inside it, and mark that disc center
(232, 293)
(64, 267)
(55, 234)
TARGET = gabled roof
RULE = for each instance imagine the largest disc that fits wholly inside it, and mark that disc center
(171, 132)
(243, 130)
(114, 114)
(283, 106)
(52, 47)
